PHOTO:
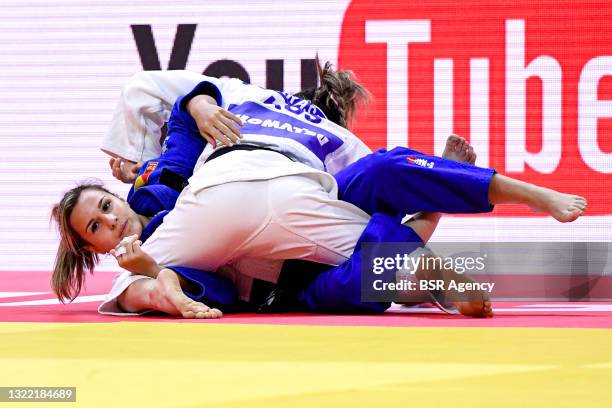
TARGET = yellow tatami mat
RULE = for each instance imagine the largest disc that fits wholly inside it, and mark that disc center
(193, 365)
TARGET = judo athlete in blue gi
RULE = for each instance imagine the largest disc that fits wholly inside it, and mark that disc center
(295, 146)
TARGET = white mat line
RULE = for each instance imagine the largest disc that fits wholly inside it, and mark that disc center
(54, 301)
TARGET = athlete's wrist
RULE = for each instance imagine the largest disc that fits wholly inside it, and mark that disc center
(197, 100)
(153, 270)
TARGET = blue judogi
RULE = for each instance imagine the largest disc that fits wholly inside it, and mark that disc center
(388, 185)
(159, 181)
(339, 289)
(403, 181)
(405, 190)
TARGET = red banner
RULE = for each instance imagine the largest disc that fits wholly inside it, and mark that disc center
(529, 83)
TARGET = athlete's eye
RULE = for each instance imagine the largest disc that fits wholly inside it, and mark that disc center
(94, 227)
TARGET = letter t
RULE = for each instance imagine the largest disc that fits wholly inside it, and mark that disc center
(397, 34)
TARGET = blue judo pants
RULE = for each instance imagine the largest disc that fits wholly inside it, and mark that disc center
(388, 185)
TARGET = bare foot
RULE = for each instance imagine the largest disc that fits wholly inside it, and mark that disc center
(563, 207)
(172, 293)
(473, 303)
(476, 308)
(458, 149)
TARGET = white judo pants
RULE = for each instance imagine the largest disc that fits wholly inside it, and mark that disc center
(250, 226)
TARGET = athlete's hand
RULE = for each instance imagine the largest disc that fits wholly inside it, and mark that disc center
(215, 124)
(124, 170)
(168, 296)
(131, 257)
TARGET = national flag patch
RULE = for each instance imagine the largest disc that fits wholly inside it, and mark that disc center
(143, 179)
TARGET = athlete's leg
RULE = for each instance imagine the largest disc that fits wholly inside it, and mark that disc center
(404, 181)
(563, 207)
(424, 224)
(307, 222)
(341, 289)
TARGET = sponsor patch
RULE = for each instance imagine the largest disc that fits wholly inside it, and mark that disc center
(420, 162)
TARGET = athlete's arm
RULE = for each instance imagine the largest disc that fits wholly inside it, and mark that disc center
(143, 295)
(143, 108)
(165, 295)
(214, 122)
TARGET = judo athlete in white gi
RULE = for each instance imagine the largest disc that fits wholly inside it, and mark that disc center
(293, 210)
(314, 220)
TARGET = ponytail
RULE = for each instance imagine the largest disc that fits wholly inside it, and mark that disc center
(338, 95)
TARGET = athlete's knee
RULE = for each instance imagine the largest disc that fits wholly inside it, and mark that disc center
(400, 150)
(346, 289)
(381, 165)
(385, 163)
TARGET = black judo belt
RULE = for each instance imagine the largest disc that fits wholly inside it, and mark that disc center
(177, 182)
(225, 150)
(282, 297)
(173, 180)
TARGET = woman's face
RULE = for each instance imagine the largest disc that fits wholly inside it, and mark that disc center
(103, 220)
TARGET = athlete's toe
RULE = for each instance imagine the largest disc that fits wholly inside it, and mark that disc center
(487, 309)
(188, 314)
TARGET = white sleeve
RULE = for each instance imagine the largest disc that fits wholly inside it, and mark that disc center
(121, 282)
(145, 105)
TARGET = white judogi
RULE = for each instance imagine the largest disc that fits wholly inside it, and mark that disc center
(244, 223)
(257, 215)
(144, 106)
(272, 209)
(147, 100)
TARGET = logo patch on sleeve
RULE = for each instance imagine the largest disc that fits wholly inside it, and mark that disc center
(143, 179)
(420, 162)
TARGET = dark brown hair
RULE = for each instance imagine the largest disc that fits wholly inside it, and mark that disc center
(338, 94)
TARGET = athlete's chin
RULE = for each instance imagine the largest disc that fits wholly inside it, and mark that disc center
(132, 228)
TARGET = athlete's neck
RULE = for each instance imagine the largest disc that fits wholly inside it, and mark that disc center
(144, 220)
